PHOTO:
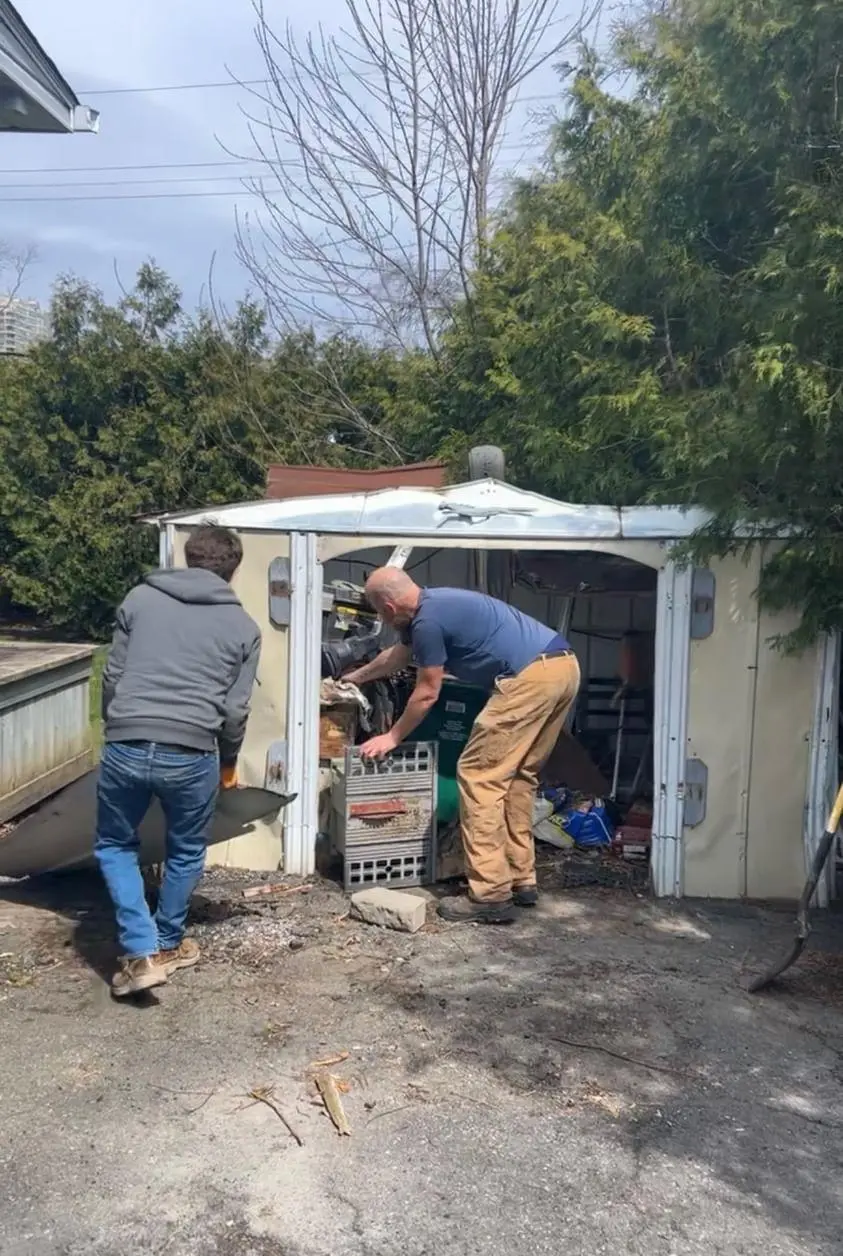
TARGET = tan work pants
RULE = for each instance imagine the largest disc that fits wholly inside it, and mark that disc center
(498, 773)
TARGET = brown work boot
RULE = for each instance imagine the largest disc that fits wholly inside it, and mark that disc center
(185, 955)
(465, 910)
(136, 975)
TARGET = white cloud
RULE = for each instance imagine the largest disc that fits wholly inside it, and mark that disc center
(92, 241)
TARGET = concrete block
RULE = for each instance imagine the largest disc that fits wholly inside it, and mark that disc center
(418, 891)
(390, 908)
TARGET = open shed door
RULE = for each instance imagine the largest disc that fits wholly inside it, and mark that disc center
(723, 631)
(823, 765)
(750, 709)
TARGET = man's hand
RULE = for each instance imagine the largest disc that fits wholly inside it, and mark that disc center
(391, 660)
(228, 776)
(423, 697)
(379, 747)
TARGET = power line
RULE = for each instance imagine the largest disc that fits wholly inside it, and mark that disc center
(266, 170)
(133, 196)
(128, 183)
(171, 87)
(162, 165)
(261, 82)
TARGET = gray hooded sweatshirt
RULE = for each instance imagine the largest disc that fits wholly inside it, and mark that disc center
(182, 664)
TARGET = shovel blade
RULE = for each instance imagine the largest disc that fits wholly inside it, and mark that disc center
(772, 974)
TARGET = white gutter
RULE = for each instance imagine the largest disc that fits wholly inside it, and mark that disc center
(70, 117)
(32, 79)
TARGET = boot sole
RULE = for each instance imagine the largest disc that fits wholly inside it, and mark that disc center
(148, 982)
(502, 918)
(174, 965)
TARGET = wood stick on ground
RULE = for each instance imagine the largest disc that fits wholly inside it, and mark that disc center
(275, 887)
(619, 1055)
(263, 1094)
(389, 1112)
(339, 1058)
(199, 1106)
(327, 1087)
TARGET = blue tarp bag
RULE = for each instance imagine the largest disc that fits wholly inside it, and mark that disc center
(589, 828)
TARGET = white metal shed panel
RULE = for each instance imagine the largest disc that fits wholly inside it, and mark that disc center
(781, 736)
(482, 509)
(661, 522)
(721, 713)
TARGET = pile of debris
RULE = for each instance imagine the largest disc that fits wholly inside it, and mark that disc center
(239, 920)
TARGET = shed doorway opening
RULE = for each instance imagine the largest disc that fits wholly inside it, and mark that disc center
(593, 817)
(600, 777)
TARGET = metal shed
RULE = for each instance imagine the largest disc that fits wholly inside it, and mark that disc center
(742, 751)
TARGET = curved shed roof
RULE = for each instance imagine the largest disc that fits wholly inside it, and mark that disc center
(483, 508)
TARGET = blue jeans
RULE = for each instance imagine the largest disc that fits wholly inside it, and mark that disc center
(131, 775)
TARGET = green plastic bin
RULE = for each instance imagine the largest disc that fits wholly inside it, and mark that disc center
(449, 724)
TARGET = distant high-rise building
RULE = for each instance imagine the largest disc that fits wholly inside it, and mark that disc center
(22, 324)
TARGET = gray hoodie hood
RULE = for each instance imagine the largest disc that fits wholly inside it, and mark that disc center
(192, 584)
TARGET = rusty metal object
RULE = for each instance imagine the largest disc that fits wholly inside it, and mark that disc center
(382, 809)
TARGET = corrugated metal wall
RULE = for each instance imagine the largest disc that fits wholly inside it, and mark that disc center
(45, 734)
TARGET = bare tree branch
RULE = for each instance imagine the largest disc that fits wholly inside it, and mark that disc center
(327, 404)
(14, 263)
(379, 146)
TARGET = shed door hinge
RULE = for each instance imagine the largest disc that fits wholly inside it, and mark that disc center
(696, 792)
(275, 777)
(702, 603)
(279, 592)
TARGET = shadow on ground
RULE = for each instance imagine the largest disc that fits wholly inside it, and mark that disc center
(604, 1042)
(639, 1013)
(75, 907)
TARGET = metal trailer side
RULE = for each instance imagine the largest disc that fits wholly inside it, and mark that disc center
(45, 727)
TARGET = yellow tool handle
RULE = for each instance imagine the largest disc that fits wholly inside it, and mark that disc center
(836, 813)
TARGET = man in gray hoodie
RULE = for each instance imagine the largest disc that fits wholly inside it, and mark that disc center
(175, 700)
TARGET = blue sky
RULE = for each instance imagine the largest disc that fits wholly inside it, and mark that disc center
(113, 44)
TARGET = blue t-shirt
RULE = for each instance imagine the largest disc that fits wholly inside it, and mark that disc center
(477, 638)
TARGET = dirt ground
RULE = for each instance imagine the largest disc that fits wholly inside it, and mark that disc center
(593, 1079)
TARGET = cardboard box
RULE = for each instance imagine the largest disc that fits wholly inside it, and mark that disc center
(337, 730)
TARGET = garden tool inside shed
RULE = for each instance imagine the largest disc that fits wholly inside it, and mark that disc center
(631, 670)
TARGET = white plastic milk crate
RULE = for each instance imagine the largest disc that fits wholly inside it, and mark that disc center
(385, 814)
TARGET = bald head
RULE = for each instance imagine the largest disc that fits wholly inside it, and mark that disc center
(394, 595)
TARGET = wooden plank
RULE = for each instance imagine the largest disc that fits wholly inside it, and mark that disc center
(27, 658)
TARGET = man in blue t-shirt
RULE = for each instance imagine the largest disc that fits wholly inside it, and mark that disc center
(532, 676)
